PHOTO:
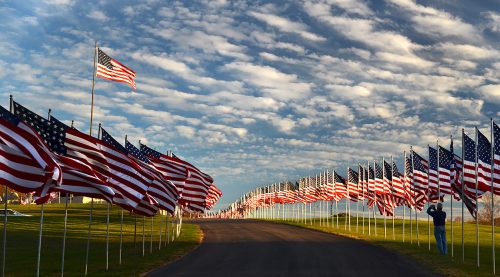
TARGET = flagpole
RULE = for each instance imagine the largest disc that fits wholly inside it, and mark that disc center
(392, 191)
(143, 236)
(415, 194)
(6, 199)
(160, 227)
(492, 160)
(429, 199)
(368, 192)
(375, 198)
(93, 84)
(64, 234)
(90, 133)
(451, 199)
(404, 195)
(477, 211)
(107, 237)
(385, 215)
(39, 241)
(121, 238)
(151, 235)
(463, 196)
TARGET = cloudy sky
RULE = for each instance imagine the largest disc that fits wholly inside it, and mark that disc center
(257, 92)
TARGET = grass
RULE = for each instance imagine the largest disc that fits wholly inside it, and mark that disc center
(22, 242)
(446, 265)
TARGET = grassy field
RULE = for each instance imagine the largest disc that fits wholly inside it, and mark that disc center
(447, 265)
(22, 240)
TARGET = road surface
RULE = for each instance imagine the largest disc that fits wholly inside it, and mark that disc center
(256, 248)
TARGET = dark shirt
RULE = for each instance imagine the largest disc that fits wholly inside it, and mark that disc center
(439, 217)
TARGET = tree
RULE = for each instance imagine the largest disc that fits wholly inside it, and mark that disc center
(486, 211)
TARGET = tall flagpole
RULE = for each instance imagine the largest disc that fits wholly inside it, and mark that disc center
(415, 194)
(492, 198)
(6, 200)
(451, 199)
(429, 199)
(64, 233)
(39, 241)
(463, 196)
(107, 237)
(385, 214)
(90, 133)
(477, 211)
(93, 84)
(392, 191)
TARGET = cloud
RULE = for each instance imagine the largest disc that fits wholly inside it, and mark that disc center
(493, 21)
(490, 92)
(273, 82)
(97, 15)
(437, 23)
(286, 25)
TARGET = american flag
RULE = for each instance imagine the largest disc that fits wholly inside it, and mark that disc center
(409, 187)
(433, 171)
(420, 179)
(79, 176)
(173, 172)
(397, 184)
(340, 187)
(387, 171)
(161, 190)
(371, 181)
(379, 179)
(444, 171)
(352, 184)
(26, 163)
(483, 162)
(496, 157)
(469, 164)
(110, 69)
(214, 193)
(126, 177)
(197, 182)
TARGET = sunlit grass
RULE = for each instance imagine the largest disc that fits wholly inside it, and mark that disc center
(22, 242)
(443, 264)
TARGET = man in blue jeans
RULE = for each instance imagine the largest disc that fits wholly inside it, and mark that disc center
(439, 218)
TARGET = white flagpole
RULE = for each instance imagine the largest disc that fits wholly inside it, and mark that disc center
(160, 227)
(143, 235)
(107, 237)
(477, 211)
(385, 215)
(429, 200)
(90, 133)
(451, 201)
(414, 195)
(121, 238)
(492, 198)
(6, 200)
(64, 233)
(151, 235)
(39, 241)
(463, 196)
(375, 196)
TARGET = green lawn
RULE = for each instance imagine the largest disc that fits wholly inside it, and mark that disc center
(22, 240)
(447, 265)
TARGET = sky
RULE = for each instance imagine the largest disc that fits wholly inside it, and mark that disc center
(257, 92)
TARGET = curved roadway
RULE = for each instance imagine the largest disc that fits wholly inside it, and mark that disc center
(256, 248)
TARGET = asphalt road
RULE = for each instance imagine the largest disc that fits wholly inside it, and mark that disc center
(255, 248)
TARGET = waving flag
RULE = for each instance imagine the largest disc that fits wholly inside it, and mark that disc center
(483, 162)
(496, 157)
(126, 177)
(23, 157)
(444, 170)
(163, 191)
(110, 69)
(420, 180)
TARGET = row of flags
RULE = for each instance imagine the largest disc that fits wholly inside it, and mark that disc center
(44, 156)
(383, 185)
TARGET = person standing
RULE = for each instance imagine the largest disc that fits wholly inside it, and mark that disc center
(439, 219)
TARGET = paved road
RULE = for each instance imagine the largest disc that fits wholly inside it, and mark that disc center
(254, 248)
